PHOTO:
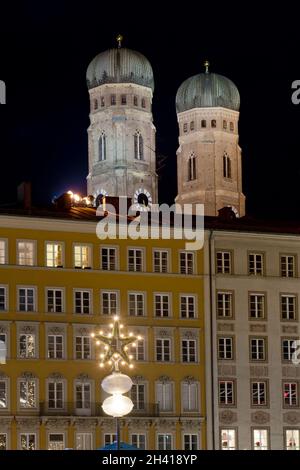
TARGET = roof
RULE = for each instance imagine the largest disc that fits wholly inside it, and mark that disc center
(207, 90)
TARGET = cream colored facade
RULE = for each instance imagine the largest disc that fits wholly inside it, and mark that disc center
(264, 308)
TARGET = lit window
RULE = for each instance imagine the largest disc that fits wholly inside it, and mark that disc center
(226, 166)
(26, 299)
(225, 348)
(223, 260)
(28, 394)
(3, 441)
(27, 346)
(256, 264)
(162, 305)
(54, 254)
(288, 265)
(136, 304)
(192, 168)
(82, 256)
(109, 303)
(260, 439)
(228, 439)
(187, 262)
(288, 306)
(28, 441)
(187, 306)
(224, 304)
(257, 349)
(26, 253)
(3, 394)
(292, 439)
(257, 305)
(138, 146)
(56, 442)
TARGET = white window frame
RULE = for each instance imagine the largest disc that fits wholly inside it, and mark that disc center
(229, 389)
(28, 434)
(117, 294)
(224, 302)
(161, 295)
(55, 434)
(82, 337)
(195, 304)
(6, 297)
(186, 264)
(259, 301)
(138, 438)
(89, 246)
(287, 306)
(135, 351)
(26, 344)
(116, 251)
(54, 243)
(55, 349)
(257, 349)
(55, 289)
(64, 393)
(143, 386)
(165, 409)
(34, 288)
(82, 291)
(35, 381)
(135, 294)
(230, 447)
(293, 444)
(256, 270)
(169, 340)
(112, 438)
(255, 439)
(34, 254)
(262, 390)
(165, 435)
(7, 393)
(83, 410)
(188, 357)
(5, 258)
(291, 349)
(191, 385)
(223, 347)
(135, 249)
(160, 251)
(190, 438)
(84, 435)
(6, 440)
(223, 264)
(292, 394)
(285, 265)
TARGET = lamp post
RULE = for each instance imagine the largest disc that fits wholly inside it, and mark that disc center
(116, 347)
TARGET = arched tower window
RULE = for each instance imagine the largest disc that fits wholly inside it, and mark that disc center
(135, 101)
(138, 146)
(192, 125)
(224, 124)
(203, 123)
(213, 123)
(226, 166)
(102, 147)
(96, 104)
(143, 103)
(231, 126)
(192, 167)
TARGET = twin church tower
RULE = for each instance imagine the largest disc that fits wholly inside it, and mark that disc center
(122, 156)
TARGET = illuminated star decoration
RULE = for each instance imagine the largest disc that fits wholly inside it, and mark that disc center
(116, 346)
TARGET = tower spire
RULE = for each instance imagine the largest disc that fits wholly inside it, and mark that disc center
(206, 65)
(119, 39)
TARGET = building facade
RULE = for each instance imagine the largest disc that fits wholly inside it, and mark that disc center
(58, 282)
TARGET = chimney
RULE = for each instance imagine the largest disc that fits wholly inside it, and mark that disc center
(24, 194)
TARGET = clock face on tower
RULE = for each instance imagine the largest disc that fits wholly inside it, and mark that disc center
(142, 200)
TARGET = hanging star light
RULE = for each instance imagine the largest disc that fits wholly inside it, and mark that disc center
(116, 346)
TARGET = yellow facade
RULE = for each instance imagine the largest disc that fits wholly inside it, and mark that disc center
(15, 420)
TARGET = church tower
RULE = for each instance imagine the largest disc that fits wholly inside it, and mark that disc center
(209, 156)
(121, 133)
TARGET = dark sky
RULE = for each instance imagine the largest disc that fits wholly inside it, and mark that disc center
(47, 46)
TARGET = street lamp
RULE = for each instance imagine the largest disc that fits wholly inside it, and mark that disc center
(116, 347)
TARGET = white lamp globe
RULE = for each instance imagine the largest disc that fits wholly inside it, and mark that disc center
(117, 405)
(116, 383)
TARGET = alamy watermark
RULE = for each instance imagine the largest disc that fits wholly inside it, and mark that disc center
(161, 222)
(296, 94)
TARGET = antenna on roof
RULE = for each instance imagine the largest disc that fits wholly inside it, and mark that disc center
(206, 65)
(119, 40)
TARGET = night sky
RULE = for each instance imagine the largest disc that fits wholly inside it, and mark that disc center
(47, 46)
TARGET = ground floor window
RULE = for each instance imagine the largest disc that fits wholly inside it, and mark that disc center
(292, 439)
(28, 441)
(84, 441)
(228, 439)
(260, 439)
(3, 441)
(56, 441)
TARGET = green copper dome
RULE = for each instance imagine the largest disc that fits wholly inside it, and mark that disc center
(120, 66)
(207, 90)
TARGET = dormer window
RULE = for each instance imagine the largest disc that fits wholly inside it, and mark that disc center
(213, 123)
(203, 123)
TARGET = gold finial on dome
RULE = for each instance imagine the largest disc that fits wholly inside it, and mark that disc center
(119, 38)
(206, 65)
